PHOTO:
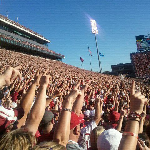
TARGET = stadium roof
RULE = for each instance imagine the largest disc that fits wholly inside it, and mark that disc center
(21, 27)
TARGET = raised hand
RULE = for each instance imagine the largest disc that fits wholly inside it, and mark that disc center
(98, 100)
(84, 86)
(10, 75)
(137, 100)
(56, 93)
(44, 80)
(37, 78)
(142, 145)
(75, 92)
(122, 112)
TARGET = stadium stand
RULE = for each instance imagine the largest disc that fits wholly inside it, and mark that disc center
(17, 37)
(141, 63)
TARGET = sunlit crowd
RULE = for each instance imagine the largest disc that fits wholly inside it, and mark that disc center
(47, 104)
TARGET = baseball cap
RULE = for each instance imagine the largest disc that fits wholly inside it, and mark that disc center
(76, 120)
(48, 116)
(109, 140)
(114, 116)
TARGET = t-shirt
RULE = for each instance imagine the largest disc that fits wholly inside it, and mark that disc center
(8, 116)
(85, 133)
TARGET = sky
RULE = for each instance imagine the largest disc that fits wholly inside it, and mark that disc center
(66, 23)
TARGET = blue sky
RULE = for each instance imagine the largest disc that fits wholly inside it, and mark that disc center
(66, 23)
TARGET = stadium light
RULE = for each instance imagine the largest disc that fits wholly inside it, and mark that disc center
(95, 31)
(94, 27)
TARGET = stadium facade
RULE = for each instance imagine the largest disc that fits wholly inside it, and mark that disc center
(121, 68)
(14, 36)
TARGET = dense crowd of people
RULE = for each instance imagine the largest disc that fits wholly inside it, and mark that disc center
(47, 104)
(141, 61)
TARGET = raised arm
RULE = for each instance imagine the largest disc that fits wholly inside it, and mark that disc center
(129, 139)
(122, 114)
(27, 100)
(78, 104)
(61, 134)
(38, 108)
(98, 109)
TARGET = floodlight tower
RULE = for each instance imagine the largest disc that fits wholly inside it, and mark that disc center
(95, 31)
(90, 54)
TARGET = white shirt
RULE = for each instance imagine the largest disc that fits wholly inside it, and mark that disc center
(7, 113)
(86, 131)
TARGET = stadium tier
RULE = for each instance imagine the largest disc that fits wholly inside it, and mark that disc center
(19, 38)
(141, 63)
(121, 68)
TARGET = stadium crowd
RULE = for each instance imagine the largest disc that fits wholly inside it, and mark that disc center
(141, 61)
(47, 104)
